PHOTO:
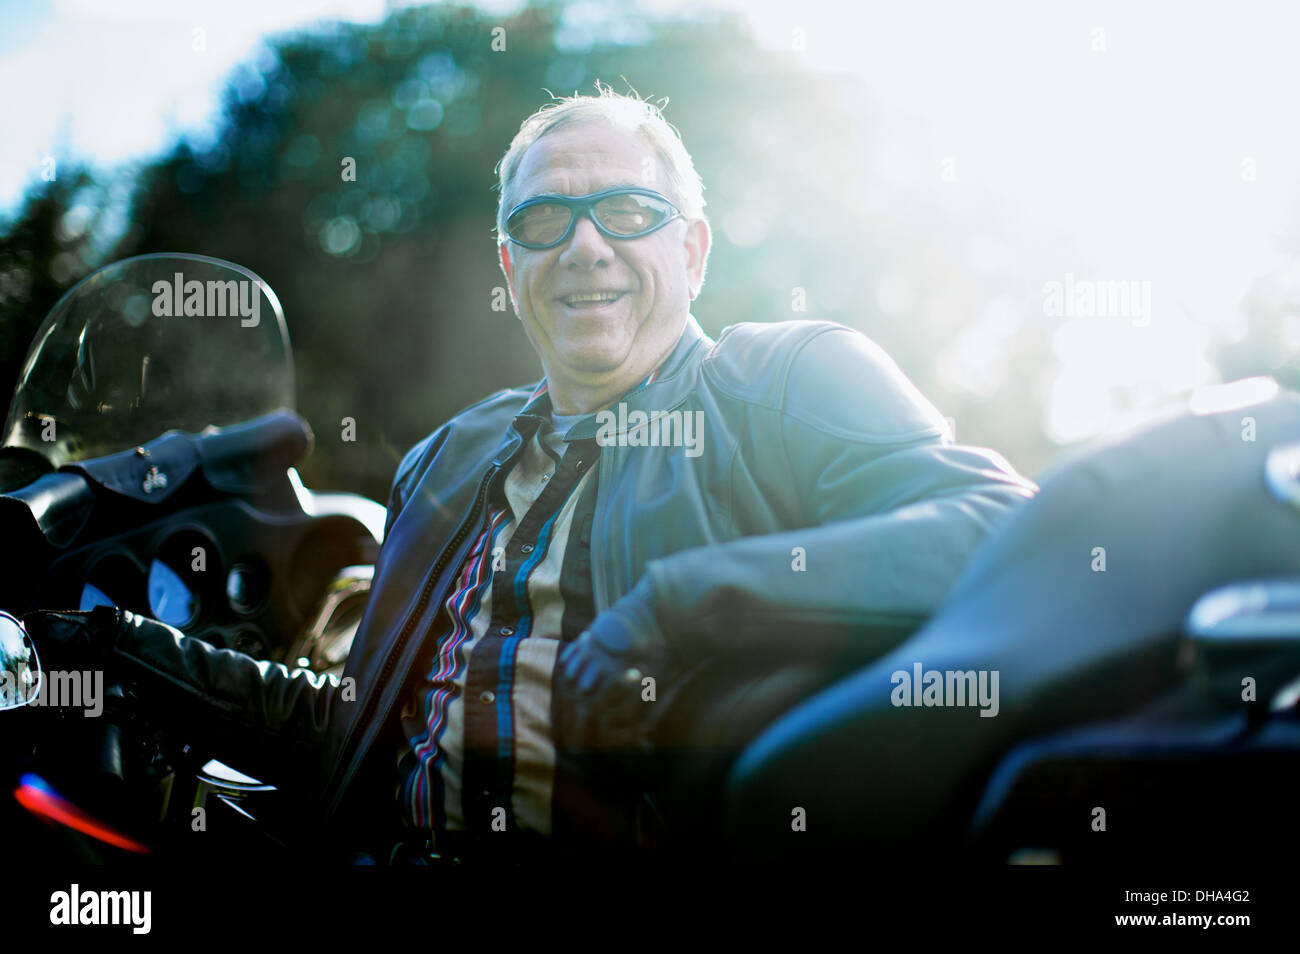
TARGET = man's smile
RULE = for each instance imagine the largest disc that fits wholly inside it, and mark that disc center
(589, 301)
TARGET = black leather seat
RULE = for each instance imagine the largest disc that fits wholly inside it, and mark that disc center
(1179, 507)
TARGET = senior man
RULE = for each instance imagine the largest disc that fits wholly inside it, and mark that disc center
(572, 566)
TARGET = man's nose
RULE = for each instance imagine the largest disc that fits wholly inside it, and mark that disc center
(587, 247)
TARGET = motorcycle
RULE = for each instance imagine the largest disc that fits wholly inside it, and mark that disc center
(1113, 678)
(148, 463)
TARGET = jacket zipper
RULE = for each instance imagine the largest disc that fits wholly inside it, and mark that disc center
(599, 578)
(405, 634)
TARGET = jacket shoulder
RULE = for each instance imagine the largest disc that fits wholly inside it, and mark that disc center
(487, 412)
(826, 375)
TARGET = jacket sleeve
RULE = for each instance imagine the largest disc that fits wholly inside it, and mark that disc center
(406, 471)
(260, 717)
(893, 510)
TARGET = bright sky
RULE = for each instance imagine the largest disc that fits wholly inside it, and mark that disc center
(1173, 156)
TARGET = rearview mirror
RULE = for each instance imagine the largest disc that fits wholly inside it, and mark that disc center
(20, 668)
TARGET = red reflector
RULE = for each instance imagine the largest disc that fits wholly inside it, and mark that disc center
(35, 795)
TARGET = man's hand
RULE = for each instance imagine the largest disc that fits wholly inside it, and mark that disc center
(73, 639)
(603, 709)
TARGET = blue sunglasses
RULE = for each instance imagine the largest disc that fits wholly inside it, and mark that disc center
(626, 212)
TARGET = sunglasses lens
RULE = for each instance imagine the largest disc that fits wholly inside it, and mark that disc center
(632, 214)
(626, 214)
(538, 224)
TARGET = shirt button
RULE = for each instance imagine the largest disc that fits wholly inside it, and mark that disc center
(526, 548)
(487, 697)
(506, 631)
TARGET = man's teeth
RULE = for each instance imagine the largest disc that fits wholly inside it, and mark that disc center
(597, 296)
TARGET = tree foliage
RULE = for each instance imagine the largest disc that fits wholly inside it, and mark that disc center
(388, 280)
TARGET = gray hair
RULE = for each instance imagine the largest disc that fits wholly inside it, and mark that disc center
(630, 113)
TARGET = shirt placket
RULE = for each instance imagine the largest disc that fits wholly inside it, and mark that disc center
(489, 734)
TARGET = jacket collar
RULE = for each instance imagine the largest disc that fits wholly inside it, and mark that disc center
(666, 386)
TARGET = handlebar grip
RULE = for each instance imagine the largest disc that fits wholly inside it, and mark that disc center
(109, 752)
(101, 745)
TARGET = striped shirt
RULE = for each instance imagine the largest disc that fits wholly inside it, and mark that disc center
(478, 753)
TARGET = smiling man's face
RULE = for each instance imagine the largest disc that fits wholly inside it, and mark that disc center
(594, 351)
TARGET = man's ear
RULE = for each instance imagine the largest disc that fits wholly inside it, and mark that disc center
(697, 243)
(504, 249)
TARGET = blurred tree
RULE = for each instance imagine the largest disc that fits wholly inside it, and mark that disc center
(1266, 340)
(354, 171)
(44, 251)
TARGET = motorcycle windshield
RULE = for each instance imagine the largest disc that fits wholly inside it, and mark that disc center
(145, 345)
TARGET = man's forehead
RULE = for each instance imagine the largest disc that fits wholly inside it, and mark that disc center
(587, 157)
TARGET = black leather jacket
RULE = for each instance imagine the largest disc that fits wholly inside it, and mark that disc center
(828, 503)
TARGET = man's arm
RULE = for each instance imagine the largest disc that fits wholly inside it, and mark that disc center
(261, 717)
(875, 577)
